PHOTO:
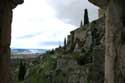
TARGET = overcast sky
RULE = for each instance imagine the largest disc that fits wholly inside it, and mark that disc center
(45, 23)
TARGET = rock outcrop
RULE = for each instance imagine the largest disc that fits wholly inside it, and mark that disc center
(82, 59)
(6, 7)
(114, 38)
(89, 42)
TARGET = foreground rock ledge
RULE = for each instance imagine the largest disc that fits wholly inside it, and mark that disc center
(114, 39)
(6, 7)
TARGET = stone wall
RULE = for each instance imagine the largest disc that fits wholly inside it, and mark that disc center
(74, 73)
(89, 43)
(101, 13)
(114, 28)
(82, 37)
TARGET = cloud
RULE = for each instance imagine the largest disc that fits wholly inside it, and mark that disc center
(29, 35)
(55, 43)
(35, 33)
(71, 11)
(54, 33)
(45, 23)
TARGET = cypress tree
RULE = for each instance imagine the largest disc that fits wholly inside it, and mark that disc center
(65, 43)
(22, 71)
(86, 18)
(81, 24)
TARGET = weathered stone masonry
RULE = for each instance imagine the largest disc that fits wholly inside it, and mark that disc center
(114, 39)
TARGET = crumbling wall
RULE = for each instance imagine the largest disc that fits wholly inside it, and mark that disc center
(91, 39)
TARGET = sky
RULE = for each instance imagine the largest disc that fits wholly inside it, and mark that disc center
(44, 24)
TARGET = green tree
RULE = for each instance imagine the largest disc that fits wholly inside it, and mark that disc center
(86, 18)
(81, 24)
(65, 43)
(22, 71)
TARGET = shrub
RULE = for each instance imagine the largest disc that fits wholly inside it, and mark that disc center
(82, 59)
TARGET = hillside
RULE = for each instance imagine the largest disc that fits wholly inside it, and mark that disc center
(80, 60)
(27, 51)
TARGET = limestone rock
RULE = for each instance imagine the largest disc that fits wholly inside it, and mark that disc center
(100, 3)
(114, 39)
(16, 2)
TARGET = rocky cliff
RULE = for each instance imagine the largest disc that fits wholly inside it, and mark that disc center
(80, 61)
(114, 39)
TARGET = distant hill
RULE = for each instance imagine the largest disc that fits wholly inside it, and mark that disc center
(27, 51)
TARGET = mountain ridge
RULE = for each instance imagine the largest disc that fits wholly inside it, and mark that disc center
(27, 51)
